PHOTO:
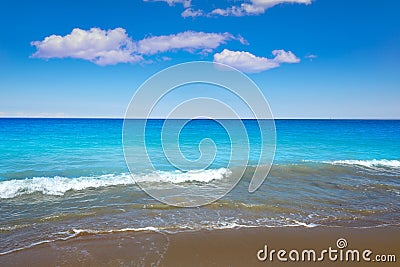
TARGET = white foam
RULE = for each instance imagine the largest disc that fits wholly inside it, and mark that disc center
(58, 186)
(298, 223)
(230, 225)
(177, 177)
(140, 229)
(369, 163)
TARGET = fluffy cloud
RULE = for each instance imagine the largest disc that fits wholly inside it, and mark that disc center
(185, 3)
(247, 62)
(189, 41)
(281, 56)
(254, 7)
(190, 12)
(96, 45)
(115, 46)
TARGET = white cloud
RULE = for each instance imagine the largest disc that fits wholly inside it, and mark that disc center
(247, 8)
(96, 45)
(115, 46)
(190, 41)
(254, 7)
(185, 3)
(281, 56)
(190, 12)
(311, 56)
(247, 62)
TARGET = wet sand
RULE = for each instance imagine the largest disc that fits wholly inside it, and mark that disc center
(229, 247)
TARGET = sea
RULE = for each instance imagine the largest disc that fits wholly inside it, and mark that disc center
(61, 178)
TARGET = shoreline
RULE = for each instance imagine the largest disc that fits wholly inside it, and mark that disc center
(222, 247)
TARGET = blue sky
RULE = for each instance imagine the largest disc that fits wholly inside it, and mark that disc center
(311, 59)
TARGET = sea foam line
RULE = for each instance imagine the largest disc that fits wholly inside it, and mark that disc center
(368, 163)
(161, 230)
(58, 186)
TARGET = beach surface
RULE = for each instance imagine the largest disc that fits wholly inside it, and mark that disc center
(227, 247)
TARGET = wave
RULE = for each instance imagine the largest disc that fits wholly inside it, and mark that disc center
(58, 186)
(368, 163)
(177, 177)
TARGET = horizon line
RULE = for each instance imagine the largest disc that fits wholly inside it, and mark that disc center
(179, 118)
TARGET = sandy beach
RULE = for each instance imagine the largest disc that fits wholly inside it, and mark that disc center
(227, 247)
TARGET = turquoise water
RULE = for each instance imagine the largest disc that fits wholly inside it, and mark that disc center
(59, 177)
(83, 147)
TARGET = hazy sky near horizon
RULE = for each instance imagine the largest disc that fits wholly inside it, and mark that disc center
(311, 59)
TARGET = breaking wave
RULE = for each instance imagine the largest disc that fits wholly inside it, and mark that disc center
(58, 186)
(369, 163)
